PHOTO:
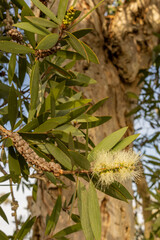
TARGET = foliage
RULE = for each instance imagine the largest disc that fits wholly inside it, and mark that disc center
(147, 115)
(41, 101)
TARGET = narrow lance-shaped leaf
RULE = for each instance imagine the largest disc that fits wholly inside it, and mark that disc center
(21, 4)
(51, 123)
(4, 197)
(124, 142)
(26, 227)
(66, 231)
(91, 55)
(83, 211)
(80, 160)
(3, 236)
(3, 215)
(30, 27)
(60, 156)
(5, 178)
(96, 106)
(29, 35)
(14, 166)
(58, 89)
(41, 21)
(12, 47)
(94, 212)
(77, 45)
(46, 11)
(53, 219)
(34, 88)
(107, 143)
(87, 14)
(12, 106)
(69, 55)
(48, 42)
(11, 67)
(62, 7)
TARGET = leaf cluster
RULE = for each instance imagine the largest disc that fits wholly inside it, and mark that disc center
(40, 98)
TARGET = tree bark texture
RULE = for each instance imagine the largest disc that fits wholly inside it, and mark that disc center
(123, 45)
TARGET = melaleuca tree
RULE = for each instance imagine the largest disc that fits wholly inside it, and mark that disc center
(46, 121)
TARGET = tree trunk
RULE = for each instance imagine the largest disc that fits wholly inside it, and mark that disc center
(123, 45)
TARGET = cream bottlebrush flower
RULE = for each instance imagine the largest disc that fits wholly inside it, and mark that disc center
(116, 166)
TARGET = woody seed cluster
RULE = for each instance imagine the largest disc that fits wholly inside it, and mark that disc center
(15, 35)
(28, 153)
(46, 52)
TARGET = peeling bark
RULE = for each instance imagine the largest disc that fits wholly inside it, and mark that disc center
(123, 45)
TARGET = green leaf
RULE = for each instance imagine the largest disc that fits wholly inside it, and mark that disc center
(69, 55)
(59, 155)
(21, 4)
(156, 224)
(58, 89)
(3, 156)
(124, 142)
(3, 215)
(35, 123)
(34, 88)
(68, 128)
(77, 112)
(51, 177)
(53, 219)
(41, 21)
(4, 91)
(4, 197)
(62, 7)
(132, 95)
(119, 187)
(83, 205)
(48, 42)
(82, 78)
(14, 166)
(66, 231)
(24, 167)
(91, 55)
(11, 67)
(5, 178)
(94, 212)
(7, 142)
(82, 32)
(29, 35)
(46, 11)
(96, 106)
(114, 190)
(107, 143)
(26, 227)
(60, 70)
(22, 69)
(3, 236)
(12, 106)
(77, 45)
(99, 121)
(80, 160)
(73, 104)
(51, 124)
(32, 28)
(87, 14)
(71, 142)
(12, 47)
(34, 191)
